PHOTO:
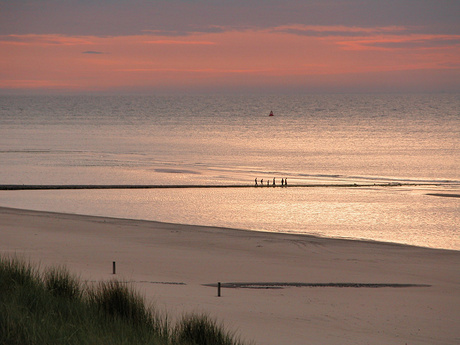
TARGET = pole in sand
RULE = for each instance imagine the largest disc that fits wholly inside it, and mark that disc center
(114, 268)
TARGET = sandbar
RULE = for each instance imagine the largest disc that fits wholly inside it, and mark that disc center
(275, 288)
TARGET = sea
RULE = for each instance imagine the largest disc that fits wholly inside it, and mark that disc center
(378, 167)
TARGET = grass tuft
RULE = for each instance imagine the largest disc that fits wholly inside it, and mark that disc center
(114, 298)
(201, 330)
(15, 272)
(60, 283)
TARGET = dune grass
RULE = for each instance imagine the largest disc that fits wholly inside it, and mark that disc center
(54, 307)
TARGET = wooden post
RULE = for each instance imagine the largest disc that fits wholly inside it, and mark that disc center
(218, 289)
(114, 268)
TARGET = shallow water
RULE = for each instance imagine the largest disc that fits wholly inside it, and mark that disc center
(208, 140)
(390, 214)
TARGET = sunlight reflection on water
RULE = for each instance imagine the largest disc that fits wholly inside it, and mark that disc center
(390, 214)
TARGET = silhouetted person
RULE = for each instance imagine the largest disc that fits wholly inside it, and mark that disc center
(282, 182)
(262, 182)
(256, 181)
(285, 182)
(273, 182)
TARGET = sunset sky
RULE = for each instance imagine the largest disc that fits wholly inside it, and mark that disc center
(229, 46)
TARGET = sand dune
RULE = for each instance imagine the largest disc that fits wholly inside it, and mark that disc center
(292, 289)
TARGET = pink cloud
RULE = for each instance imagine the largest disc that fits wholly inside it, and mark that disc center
(32, 39)
(176, 42)
(36, 84)
(406, 42)
(203, 70)
(327, 31)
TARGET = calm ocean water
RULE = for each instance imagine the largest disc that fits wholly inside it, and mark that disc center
(215, 140)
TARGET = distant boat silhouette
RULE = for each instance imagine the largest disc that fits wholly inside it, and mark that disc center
(271, 113)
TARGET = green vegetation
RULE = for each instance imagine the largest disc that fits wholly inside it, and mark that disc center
(54, 307)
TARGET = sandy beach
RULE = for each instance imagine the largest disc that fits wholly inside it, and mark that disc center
(308, 290)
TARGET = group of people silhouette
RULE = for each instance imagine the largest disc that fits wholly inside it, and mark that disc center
(283, 182)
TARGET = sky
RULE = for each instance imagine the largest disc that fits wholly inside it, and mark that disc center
(250, 46)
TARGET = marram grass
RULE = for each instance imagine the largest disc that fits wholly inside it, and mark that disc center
(201, 330)
(54, 307)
